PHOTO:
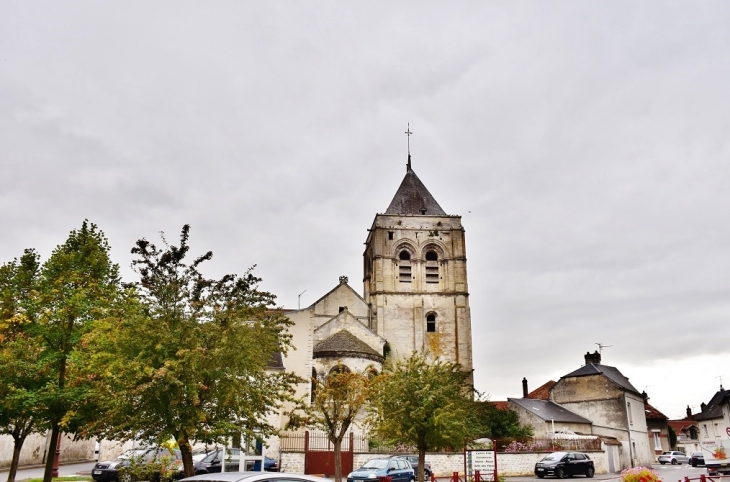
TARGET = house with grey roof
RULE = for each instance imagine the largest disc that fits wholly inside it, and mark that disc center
(603, 395)
(714, 422)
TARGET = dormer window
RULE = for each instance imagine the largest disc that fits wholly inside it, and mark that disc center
(404, 267)
(432, 267)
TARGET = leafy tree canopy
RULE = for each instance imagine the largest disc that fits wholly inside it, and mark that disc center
(188, 361)
(425, 405)
(497, 423)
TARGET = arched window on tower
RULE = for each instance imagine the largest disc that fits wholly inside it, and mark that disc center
(432, 267)
(431, 322)
(404, 267)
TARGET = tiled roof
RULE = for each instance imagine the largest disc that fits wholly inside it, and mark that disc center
(714, 408)
(344, 343)
(541, 392)
(412, 197)
(611, 373)
(547, 410)
(501, 405)
(681, 426)
(652, 413)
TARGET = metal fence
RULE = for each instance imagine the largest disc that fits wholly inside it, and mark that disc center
(517, 445)
(318, 442)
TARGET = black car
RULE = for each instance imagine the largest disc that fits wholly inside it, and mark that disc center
(108, 470)
(565, 464)
(697, 458)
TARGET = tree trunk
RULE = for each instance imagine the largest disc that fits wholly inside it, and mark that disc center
(17, 445)
(421, 465)
(186, 451)
(55, 434)
(338, 459)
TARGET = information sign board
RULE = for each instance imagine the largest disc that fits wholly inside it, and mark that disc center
(484, 461)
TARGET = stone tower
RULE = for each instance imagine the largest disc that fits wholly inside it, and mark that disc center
(415, 276)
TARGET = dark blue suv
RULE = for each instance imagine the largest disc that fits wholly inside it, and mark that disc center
(397, 468)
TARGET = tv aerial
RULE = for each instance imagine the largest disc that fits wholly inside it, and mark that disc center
(601, 346)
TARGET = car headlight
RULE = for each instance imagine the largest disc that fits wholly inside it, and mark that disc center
(372, 476)
(349, 476)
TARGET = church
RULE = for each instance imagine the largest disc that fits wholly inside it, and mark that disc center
(415, 295)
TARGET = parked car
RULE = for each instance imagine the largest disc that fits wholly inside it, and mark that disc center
(413, 459)
(673, 457)
(397, 468)
(697, 458)
(108, 470)
(211, 463)
(565, 464)
(254, 477)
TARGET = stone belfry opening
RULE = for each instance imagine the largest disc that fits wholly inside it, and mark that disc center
(415, 276)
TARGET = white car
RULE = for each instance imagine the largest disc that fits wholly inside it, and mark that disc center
(673, 457)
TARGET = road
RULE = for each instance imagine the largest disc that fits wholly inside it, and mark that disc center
(35, 472)
(669, 473)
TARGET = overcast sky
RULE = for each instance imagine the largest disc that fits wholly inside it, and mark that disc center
(584, 143)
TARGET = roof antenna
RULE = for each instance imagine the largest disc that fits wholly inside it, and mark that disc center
(601, 347)
(409, 134)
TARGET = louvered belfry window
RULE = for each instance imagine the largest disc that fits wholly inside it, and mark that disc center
(432, 267)
(404, 267)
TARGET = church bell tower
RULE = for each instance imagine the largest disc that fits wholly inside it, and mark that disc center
(415, 276)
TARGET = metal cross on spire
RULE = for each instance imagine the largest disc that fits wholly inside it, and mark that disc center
(409, 134)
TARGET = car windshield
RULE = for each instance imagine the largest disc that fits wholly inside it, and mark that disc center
(666, 453)
(554, 456)
(375, 464)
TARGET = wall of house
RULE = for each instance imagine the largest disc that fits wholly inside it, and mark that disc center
(445, 464)
(715, 433)
(36, 448)
(659, 427)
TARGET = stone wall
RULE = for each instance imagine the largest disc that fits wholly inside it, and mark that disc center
(36, 448)
(445, 464)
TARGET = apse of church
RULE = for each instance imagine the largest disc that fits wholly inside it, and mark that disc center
(415, 276)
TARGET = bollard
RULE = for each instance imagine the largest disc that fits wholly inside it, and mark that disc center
(455, 477)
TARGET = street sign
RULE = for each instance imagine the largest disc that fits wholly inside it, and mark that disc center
(482, 461)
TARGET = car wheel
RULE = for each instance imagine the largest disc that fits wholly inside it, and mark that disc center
(590, 472)
(559, 473)
(662, 463)
(413, 479)
(674, 461)
(540, 476)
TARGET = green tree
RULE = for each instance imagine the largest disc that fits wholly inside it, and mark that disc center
(21, 377)
(77, 286)
(189, 360)
(497, 423)
(337, 400)
(672, 437)
(425, 405)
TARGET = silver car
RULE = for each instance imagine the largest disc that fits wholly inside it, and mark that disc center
(673, 457)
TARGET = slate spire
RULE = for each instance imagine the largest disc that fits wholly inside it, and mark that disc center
(412, 197)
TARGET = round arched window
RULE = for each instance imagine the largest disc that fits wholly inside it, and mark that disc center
(431, 322)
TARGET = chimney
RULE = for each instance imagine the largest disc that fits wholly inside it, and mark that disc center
(594, 358)
(689, 412)
(524, 387)
(703, 406)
